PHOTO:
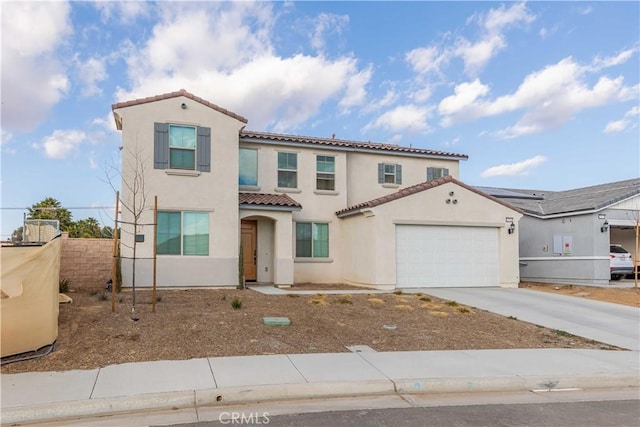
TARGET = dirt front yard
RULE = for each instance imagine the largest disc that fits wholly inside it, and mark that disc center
(626, 296)
(228, 322)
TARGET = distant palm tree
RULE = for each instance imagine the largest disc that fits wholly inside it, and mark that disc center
(51, 208)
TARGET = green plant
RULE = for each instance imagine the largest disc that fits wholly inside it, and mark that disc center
(397, 292)
(512, 318)
(63, 285)
(236, 304)
(562, 333)
(241, 284)
(451, 303)
(423, 298)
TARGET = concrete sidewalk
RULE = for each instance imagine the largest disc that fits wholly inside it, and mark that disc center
(31, 397)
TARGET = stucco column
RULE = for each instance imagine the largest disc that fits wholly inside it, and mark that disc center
(283, 274)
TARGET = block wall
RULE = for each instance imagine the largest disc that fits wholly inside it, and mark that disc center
(86, 263)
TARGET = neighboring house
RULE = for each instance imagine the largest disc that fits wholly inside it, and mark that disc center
(304, 209)
(565, 235)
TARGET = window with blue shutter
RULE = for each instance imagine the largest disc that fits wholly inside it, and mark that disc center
(435, 173)
(389, 173)
(182, 147)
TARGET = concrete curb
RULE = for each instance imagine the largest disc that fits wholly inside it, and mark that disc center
(252, 394)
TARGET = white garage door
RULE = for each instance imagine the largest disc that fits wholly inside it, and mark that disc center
(443, 256)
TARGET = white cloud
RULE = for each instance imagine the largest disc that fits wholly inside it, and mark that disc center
(628, 121)
(222, 52)
(356, 92)
(475, 54)
(31, 34)
(621, 58)
(107, 122)
(5, 142)
(62, 143)
(404, 118)
(126, 11)
(90, 73)
(549, 98)
(327, 24)
(519, 168)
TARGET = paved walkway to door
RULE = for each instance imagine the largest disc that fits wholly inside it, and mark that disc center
(610, 323)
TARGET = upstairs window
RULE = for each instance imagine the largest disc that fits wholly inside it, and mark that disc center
(389, 173)
(288, 170)
(248, 166)
(326, 173)
(312, 240)
(182, 147)
(435, 173)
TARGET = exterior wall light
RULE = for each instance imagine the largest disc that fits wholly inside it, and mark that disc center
(512, 228)
(183, 106)
(605, 226)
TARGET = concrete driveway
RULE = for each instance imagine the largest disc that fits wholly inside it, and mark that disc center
(613, 324)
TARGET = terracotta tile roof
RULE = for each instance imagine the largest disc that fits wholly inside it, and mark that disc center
(417, 189)
(343, 144)
(262, 199)
(176, 94)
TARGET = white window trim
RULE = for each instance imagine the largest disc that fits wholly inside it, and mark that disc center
(384, 173)
(288, 189)
(195, 151)
(320, 191)
(182, 172)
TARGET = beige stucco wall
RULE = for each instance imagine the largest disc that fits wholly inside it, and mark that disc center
(362, 175)
(214, 192)
(426, 208)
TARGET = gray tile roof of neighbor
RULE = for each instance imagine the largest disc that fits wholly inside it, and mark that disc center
(544, 203)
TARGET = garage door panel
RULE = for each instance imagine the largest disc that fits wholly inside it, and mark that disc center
(446, 256)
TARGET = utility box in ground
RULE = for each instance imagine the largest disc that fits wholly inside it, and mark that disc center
(29, 297)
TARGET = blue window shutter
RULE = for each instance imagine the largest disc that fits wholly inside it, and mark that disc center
(380, 173)
(445, 172)
(399, 174)
(429, 174)
(203, 149)
(160, 146)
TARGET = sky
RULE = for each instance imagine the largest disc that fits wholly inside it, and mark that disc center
(539, 95)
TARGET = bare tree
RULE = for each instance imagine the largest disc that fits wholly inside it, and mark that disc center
(133, 201)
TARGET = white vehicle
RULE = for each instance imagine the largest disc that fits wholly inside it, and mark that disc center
(621, 262)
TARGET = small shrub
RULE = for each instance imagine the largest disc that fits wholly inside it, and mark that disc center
(438, 313)
(512, 318)
(102, 296)
(403, 307)
(63, 285)
(375, 301)
(236, 304)
(319, 302)
(464, 310)
(293, 296)
(224, 298)
(425, 298)
(344, 300)
(398, 292)
(562, 333)
(451, 303)
(158, 298)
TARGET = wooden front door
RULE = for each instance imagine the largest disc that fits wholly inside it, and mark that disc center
(249, 239)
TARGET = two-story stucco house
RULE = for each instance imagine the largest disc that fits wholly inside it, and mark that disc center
(302, 209)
